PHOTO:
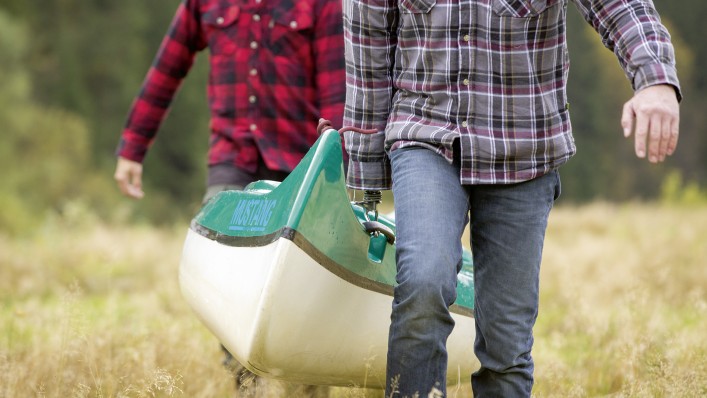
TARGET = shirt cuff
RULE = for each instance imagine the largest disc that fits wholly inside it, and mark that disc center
(131, 150)
(369, 166)
(654, 74)
(369, 176)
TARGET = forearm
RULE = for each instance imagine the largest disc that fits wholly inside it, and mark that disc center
(634, 32)
(146, 114)
(173, 61)
(369, 31)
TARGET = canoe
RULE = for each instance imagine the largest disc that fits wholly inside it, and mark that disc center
(294, 282)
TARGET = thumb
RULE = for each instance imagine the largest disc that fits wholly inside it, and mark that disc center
(627, 117)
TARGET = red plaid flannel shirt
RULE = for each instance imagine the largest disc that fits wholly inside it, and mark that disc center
(276, 67)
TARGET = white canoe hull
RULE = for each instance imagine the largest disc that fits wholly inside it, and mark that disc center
(286, 316)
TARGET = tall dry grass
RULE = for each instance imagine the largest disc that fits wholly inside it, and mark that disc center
(624, 303)
(92, 310)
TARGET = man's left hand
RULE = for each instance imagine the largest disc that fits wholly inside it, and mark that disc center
(654, 114)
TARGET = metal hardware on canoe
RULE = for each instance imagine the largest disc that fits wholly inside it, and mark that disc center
(375, 227)
(370, 202)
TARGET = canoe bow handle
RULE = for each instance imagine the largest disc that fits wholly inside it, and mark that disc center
(375, 227)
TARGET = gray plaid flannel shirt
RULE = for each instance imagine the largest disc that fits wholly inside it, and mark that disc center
(490, 73)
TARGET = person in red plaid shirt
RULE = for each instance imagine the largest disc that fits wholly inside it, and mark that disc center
(276, 68)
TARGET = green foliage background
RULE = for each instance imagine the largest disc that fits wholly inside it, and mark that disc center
(71, 68)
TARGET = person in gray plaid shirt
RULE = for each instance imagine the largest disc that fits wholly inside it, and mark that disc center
(464, 108)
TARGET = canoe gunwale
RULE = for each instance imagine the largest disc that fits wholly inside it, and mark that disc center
(322, 259)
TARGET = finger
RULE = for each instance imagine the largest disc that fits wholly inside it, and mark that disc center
(665, 133)
(674, 134)
(627, 117)
(654, 137)
(121, 178)
(135, 186)
(129, 189)
(642, 124)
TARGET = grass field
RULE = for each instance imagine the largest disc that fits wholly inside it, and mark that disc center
(91, 310)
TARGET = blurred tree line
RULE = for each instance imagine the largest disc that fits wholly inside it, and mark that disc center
(71, 68)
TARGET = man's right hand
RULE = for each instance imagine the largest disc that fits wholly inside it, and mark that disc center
(128, 175)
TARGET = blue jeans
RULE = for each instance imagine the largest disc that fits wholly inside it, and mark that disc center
(508, 225)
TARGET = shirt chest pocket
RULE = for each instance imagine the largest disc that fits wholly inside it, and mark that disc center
(521, 8)
(220, 29)
(290, 31)
(416, 6)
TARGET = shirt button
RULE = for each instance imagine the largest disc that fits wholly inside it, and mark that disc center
(465, 124)
(466, 82)
(253, 127)
(252, 99)
(293, 24)
(467, 38)
(219, 20)
(253, 45)
(253, 72)
(256, 17)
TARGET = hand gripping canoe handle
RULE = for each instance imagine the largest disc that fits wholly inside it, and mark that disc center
(375, 227)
